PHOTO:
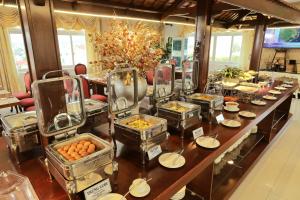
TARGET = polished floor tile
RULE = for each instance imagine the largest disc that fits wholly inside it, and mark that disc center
(276, 176)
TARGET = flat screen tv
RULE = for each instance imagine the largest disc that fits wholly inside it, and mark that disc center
(282, 38)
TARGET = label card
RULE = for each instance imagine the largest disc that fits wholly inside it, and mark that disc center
(154, 151)
(97, 190)
(220, 118)
(197, 133)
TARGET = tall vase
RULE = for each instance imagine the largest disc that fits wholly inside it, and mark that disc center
(126, 91)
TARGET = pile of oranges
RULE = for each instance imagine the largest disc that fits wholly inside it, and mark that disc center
(77, 150)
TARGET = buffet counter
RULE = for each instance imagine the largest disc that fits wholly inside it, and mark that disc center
(198, 171)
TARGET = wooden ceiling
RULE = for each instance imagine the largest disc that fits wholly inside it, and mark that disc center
(225, 13)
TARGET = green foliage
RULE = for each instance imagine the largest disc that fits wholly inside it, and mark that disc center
(231, 72)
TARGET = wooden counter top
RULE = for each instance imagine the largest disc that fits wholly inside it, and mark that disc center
(165, 182)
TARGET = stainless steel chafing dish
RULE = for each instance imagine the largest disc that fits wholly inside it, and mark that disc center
(92, 107)
(209, 103)
(138, 131)
(21, 135)
(180, 115)
(83, 166)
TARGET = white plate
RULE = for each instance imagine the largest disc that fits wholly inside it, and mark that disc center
(286, 86)
(112, 196)
(231, 123)
(259, 102)
(207, 142)
(167, 160)
(145, 192)
(269, 97)
(247, 114)
(274, 92)
(108, 169)
(231, 109)
(280, 88)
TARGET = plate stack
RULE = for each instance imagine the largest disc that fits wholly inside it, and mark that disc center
(180, 194)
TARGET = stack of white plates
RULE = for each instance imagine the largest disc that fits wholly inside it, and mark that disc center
(180, 194)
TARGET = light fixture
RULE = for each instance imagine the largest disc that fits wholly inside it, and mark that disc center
(111, 16)
(105, 16)
(10, 5)
(230, 162)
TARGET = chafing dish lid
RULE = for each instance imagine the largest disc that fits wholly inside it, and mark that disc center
(51, 99)
(89, 104)
(163, 81)
(122, 90)
(20, 120)
(190, 72)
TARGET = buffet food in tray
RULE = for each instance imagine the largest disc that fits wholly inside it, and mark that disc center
(246, 89)
(204, 97)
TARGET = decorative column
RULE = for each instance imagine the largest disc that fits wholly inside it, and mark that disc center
(202, 43)
(257, 46)
(40, 35)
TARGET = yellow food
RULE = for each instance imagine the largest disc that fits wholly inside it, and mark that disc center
(77, 150)
(203, 97)
(178, 108)
(139, 124)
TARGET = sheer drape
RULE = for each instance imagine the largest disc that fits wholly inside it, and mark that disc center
(9, 17)
(91, 25)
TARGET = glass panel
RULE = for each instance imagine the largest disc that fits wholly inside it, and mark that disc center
(60, 112)
(223, 47)
(236, 48)
(79, 49)
(163, 81)
(122, 87)
(18, 49)
(189, 75)
(211, 48)
(65, 50)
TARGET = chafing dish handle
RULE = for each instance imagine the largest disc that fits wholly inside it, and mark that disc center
(58, 117)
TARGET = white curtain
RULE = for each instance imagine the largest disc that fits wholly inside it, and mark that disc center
(9, 17)
(91, 25)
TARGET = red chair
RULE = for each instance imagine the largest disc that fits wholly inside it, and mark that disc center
(149, 77)
(87, 92)
(25, 95)
(80, 69)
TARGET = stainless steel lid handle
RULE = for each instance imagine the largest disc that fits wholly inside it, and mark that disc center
(60, 117)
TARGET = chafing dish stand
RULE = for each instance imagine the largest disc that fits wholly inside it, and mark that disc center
(78, 174)
(137, 131)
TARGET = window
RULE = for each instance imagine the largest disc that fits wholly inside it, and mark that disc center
(18, 49)
(183, 48)
(72, 47)
(226, 48)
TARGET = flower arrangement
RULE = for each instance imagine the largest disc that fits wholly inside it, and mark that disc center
(137, 45)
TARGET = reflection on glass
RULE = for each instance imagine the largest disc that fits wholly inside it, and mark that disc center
(163, 80)
(223, 46)
(122, 92)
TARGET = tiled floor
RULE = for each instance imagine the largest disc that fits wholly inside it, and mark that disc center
(277, 174)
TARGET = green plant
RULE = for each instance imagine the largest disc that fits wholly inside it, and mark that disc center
(231, 72)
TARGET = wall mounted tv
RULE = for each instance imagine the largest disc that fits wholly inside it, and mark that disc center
(282, 38)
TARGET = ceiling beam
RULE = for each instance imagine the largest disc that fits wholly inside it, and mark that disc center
(241, 15)
(171, 9)
(274, 8)
(117, 5)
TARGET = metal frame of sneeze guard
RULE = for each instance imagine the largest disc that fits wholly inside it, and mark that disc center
(165, 96)
(110, 89)
(195, 76)
(40, 116)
